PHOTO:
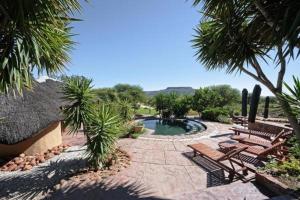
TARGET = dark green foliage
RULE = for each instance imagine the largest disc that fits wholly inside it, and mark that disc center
(165, 103)
(102, 131)
(254, 103)
(228, 95)
(182, 106)
(77, 91)
(266, 110)
(205, 97)
(125, 110)
(34, 35)
(212, 114)
(106, 95)
(294, 147)
(132, 93)
(215, 96)
(244, 102)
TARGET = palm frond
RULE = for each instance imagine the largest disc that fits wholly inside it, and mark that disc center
(34, 34)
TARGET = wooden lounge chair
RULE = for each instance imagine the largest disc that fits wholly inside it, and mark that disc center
(238, 131)
(261, 142)
(260, 152)
(240, 120)
(217, 157)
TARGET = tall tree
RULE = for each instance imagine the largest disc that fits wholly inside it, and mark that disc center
(34, 34)
(237, 35)
(132, 93)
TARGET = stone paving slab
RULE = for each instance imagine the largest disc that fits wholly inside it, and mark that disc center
(162, 168)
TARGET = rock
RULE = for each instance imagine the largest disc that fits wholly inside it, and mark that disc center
(27, 167)
(57, 187)
(51, 155)
(4, 168)
(33, 163)
(22, 155)
(41, 159)
(12, 167)
(30, 158)
(21, 166)
(19, 160)
(54, 149)
(63, 183)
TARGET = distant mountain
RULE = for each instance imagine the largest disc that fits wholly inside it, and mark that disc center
(178, 90)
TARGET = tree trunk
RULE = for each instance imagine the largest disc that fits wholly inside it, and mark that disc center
(291, 116)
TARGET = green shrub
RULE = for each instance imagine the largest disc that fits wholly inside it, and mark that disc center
(290, 167)
(224, 119)
(294, 147)
(102, 135)
(212, 114)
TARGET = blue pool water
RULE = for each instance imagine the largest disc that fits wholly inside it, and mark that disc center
(173, 127)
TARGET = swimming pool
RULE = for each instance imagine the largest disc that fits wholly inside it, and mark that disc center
(173, 126)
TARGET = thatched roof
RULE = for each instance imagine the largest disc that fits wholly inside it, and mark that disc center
(24, 117)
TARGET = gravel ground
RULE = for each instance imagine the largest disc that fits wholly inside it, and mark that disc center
(34, 184)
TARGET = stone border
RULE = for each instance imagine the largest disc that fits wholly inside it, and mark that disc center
(273, 184)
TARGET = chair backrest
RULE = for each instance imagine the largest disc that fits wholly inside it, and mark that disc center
(282, 134)
(232, 153)
(272, 148)
(278, 136)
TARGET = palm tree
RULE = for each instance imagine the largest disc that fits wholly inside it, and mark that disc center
(34, 35)
(237, 35)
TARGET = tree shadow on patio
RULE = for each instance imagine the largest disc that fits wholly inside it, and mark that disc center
(215, 175)
(38, 181)
(106, 190)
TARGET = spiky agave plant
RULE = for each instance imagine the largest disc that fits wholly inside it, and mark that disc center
(78, 93)
(102, 132)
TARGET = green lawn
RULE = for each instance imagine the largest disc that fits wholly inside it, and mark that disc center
(146, 111)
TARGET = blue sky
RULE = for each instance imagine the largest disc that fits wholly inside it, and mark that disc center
(146, 43)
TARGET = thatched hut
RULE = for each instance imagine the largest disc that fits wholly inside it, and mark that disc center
(31, 123)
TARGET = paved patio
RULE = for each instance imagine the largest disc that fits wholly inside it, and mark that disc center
(161, 168)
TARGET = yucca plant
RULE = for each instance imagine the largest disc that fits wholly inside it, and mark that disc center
(238, 36)
(294, 97)
(78, 94)
(125, 110)
(102, 132)
(34, 35)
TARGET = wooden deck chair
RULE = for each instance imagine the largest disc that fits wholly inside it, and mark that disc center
(260, 152)
(240, 120)
(217, 157)
(267, 135)
(261, 142)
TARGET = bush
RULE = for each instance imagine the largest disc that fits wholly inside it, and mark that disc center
(294, 147)
(224, 119)
(290, 167)
(102, 135)
(212, 114)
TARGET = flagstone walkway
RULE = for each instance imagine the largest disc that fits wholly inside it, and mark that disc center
(161, 168)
